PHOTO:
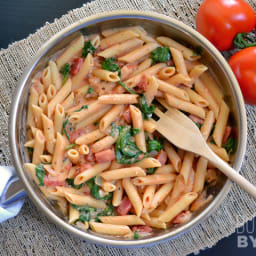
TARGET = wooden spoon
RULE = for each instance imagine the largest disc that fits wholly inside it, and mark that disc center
(183, 133)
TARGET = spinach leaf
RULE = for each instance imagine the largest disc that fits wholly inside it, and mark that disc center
(108, 211)
(115, 129)
(212, 130)
(94, 189)
(154, 145)
(64, 131)
(136, 235)
(108, 64)
(126, 150)
(88, 48)
(30, 150)
(135, 131)
(130, 90)
(85, 215)
(70, 146)
(146, 110)
(83, 107)
(65, 72)
(198, 125)
(71, 183)
(40, 173)
(90, 90)
(198, 50)
(161, 54)
(151, 170)
(230, 145)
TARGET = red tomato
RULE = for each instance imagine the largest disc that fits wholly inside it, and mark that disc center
(76, 65)
(243, 64)
(220, 20)
(105, 156)
(52, 181)
(142, 229)
(162, 157)
(124, 207)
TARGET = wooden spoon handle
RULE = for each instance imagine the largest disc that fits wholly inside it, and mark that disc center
(233, 174)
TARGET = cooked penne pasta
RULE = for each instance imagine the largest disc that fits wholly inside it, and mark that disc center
(93, 142)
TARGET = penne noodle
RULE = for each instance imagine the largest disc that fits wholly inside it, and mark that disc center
(30, 143)
(46, 77)
(43, 102)
(187, 166)
(84, 200)
(83, 72)
(133, 195)
(108, 186)
(121, 49)
(110, 229)
(90, 173)
(118, 99)
(51, 92)
(110, 116)
(89, 137)
(123, 173)
(137, 122)
(45, 158)
(221, 124)
(148, 196)
(84, 149)
(154, 179)
(152, 88)
(145, 64)
(31, 168)
(74, 48)
(58, 154)
(117, 38)
(179, 79)
(196, 98)
(166, 72)
(149, 126)
(200, 175)
(55, 75)
(33, 100)
(185, 106)
(103, 143)
(178, 190)
(73, 215)
(139, 52)
(179, 61)
(178, 207)
(173, 90)
(73, 155)
(106, 75)
(49, 133)
(172, 156)
(68, 102)
(155, 223)
(59, 97)
(208, 124)
(59, 116)
(37, 112)
(128, 220)
(221, 152)
(148, 162)
(205, 93)
(165, 169)
(38, 147)
(118, 194)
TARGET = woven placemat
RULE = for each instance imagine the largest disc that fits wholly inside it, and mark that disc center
(30, 233)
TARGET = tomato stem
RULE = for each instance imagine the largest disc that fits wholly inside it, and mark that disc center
(242, 41)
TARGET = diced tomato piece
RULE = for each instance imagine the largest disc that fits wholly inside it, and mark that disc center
(105, 156)
(76, 65)
(227, 133)
(142, 229)
(143, 83)
(170, 63)
(76, 133)
(182, 217)
(196, 119)
(90, 157)
(124, 207)
(162, 157)
(52, 181)
(127, 116)
(140, 157)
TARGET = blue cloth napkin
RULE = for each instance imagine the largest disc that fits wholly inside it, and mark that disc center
(11, 209)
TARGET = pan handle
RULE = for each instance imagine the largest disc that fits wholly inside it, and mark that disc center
(11, 186)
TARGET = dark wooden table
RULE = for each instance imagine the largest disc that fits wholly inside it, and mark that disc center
(19, 18)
